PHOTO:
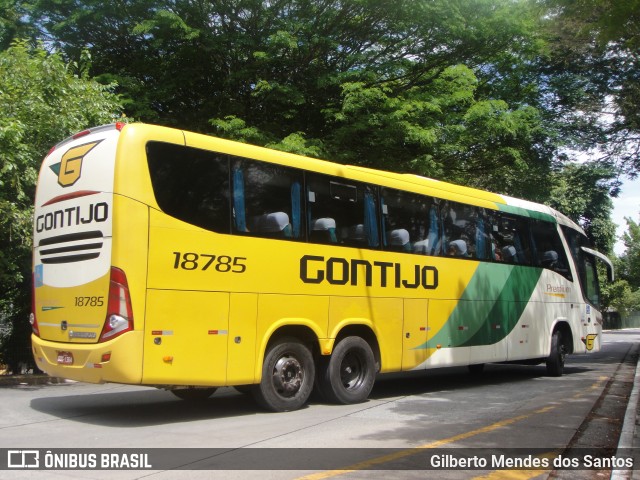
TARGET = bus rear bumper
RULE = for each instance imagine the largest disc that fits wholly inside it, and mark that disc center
(117, 361)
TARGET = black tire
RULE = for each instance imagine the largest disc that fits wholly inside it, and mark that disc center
(288, 372)
(348, 375)
(193, 394)
(555, 360)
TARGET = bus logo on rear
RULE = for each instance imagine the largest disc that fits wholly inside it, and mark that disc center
(70, 167)
(589, 341)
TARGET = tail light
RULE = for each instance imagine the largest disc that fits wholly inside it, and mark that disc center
(33, 320)
(119, 312)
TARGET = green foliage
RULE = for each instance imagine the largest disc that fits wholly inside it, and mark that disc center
(297, 143)
(629, 266)
(622, 297)
(596, 59)
(236, 128)
(402, 85)
(486, 93)
(442, 130)
(42, 100)
(13, 21)
(624, 293)
(582, 191)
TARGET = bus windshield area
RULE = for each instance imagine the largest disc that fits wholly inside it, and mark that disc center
(585, 263)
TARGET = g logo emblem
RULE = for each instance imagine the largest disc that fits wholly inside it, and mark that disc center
(589, 341)
(70, 168)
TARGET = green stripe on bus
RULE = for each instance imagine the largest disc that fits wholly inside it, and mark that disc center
(490, 306)
(526, 212)
(507, 310)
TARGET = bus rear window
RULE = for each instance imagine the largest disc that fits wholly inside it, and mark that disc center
(190, 184)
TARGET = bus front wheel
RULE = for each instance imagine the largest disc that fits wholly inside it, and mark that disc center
(287, 376)
(348, 375)
(555, 361)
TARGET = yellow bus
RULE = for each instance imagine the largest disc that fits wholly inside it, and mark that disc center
(178, 260)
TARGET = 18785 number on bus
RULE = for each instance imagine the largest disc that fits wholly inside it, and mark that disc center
(206, 261)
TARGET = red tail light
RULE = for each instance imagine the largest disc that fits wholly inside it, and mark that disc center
(119, 312)
(81, 134)
(33, 320)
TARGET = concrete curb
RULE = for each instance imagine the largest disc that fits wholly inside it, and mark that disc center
(34, 379)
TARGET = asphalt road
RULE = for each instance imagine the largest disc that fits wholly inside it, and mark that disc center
(398, 433)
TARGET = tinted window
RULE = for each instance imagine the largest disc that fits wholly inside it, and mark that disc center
(548, 248)
(510, 239)
(591, 285)
(267, 200)
(585, 264)
(410, 222)
(467, 231)
(191, 185)
(341, 211)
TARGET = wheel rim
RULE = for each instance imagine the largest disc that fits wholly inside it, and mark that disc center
(352, 372)
(288, 375)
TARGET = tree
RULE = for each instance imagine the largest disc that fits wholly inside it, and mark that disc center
(624, 293)
(622, 297)
(596, 58)
(14, 21)
(406, 86)
(42, 100)
(487, 93)
(630, 260)
(582, 192)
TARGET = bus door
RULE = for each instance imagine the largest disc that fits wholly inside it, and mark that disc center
(591, 317)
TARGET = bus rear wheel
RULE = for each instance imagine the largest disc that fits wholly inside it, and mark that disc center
(287, 376)
(555, 360)
(348, 375)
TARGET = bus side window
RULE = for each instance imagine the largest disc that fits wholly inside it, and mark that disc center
(460, 227)
(409, 222)
(266, 200)
(321, 222)
(341, 212)
(191, 184)
(549, 249)
(466, 231)
(510, 239)
(482, 239)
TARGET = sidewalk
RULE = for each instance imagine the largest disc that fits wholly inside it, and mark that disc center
(630, 434)
(30, 379)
